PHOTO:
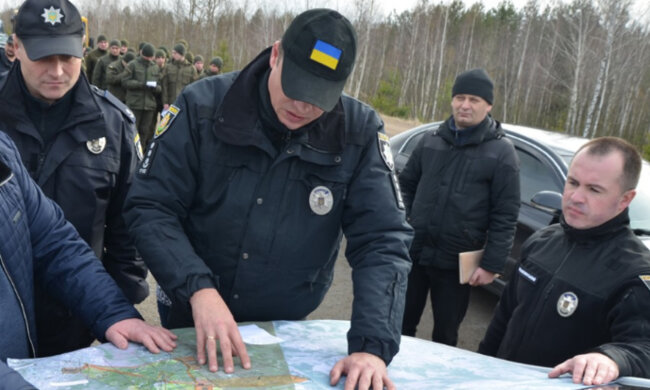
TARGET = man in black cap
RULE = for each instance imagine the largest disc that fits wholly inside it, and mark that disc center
(92, 57)
(461, 191)
(80, 146)
(7, 55)
(252, 178)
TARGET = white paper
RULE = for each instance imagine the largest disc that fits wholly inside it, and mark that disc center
(253, 334)
(151, 84)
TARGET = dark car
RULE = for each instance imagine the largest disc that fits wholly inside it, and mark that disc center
(544, 157)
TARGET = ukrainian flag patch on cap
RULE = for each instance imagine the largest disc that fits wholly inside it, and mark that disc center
(326, 54)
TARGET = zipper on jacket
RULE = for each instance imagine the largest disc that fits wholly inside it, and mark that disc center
(20, 302)
(533, 320)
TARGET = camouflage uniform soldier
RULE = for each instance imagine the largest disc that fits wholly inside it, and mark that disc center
(142, 83)
(176, 75)
(115, 72)
(99, 73)
(91, 58)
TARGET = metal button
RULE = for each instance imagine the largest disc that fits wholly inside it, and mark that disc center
(337, 159)
(289, 151)
(220, 119)
(260, 200)
(244, 256)
(236, 296)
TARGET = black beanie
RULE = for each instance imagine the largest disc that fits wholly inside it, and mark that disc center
(474, 82)
(180, 49)
(148, 50)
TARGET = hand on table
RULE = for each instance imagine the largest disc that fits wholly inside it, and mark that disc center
(589, 369)
(136, 330)
(214, 323)
(481, 277)
(363, 370)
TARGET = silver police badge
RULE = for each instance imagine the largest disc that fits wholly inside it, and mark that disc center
(52, 15)
(96, 146)
(567, 304)
(321, 200)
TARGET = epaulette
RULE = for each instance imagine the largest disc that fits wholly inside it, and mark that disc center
(117, 103)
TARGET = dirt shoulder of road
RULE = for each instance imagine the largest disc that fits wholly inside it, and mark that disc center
(394, 125)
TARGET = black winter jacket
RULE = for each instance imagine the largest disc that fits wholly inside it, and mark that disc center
(89, 181)
(216, 204)
(604, 269)
(462, 197)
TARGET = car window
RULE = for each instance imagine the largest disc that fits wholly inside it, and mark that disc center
(640, 206)
(411, 143)
(534, 176)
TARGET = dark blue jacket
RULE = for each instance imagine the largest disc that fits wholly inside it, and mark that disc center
(39, 246)
(606, 269)
(89, 187)
(215, 204)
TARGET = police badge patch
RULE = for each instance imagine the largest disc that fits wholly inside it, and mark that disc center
(96, 146)
(166, 120)
(321, 200)
(567, 304)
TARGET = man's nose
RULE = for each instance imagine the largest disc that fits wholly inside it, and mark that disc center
(303, 107)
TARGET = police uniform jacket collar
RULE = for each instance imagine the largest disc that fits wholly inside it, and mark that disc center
(238, 121)
(84, 108)
(487, 130)
(598, 233)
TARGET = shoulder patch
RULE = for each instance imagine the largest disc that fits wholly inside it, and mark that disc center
(646, 280)
(138, 146)
(166, 120)
(387, 156)
(384, 150)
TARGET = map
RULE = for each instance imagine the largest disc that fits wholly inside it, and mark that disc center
(301, 357)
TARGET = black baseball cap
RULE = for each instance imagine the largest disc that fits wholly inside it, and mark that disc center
(319, 47)
(49, 27)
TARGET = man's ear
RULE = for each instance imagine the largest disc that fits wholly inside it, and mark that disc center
(275, 54)
(626, 199)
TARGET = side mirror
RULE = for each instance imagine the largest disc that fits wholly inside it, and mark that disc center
(548, 201)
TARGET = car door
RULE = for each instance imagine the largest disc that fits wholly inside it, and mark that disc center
(540, 170)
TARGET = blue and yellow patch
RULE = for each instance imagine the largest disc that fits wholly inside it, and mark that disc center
(166, 120)
(138, 146)
(326, 54)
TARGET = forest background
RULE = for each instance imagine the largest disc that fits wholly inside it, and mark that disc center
(581, 67)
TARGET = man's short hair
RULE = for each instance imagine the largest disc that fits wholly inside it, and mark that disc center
(603, 146)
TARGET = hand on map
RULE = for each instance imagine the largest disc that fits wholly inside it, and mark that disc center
(590, 369)
(154, 338)
(215, 324)
(363, 370)
(482, 277)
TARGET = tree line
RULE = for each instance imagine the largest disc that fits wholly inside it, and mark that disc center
(580, 67)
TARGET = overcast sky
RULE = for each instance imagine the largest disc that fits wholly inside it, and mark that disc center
(641, 7)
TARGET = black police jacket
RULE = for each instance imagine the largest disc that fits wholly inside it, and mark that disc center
(87, 169)
(462, 197)
(215, 204)
(577, 292)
